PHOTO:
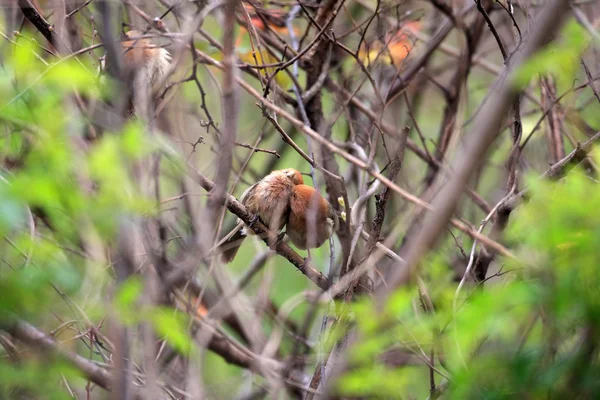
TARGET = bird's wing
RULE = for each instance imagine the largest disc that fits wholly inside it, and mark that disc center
(244, 196)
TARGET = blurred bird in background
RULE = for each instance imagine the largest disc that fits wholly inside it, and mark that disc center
(395, 49)
(145, 64)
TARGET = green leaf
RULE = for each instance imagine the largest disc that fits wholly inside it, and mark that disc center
(560, 59)
(24, 59)
(126, 298)
(129, 292)
(132, 140)
(71, 74)
(172, 325)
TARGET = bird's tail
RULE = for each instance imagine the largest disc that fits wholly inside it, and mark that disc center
(230, 245)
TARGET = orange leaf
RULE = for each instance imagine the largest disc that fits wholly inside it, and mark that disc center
(202, 311)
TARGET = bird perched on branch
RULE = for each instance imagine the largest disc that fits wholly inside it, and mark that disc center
(394, 50)
(311, 220)
(144, 58)
(269, 201)
(145, 64)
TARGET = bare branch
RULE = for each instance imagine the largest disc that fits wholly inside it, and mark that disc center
(486, 126)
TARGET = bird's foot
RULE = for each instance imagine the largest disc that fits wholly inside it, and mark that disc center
(275, 241)
(280, 237)
(253, 221)
(302, 267)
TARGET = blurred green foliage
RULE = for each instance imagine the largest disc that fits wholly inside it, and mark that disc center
(40, 378)
(43, 270)
(534, 335)
(560, 59)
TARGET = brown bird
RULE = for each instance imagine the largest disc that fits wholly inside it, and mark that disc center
(311, 220)
(144, 58)
(145, 64)
(269, 200)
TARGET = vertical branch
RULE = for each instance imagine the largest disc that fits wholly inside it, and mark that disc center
(229, 108)
(152, 288)
(124, 268)
(485, 256)
(314, 110)
(115, 55)
(556, 146)
(448, 128)
(382, 198)
(107, 30)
